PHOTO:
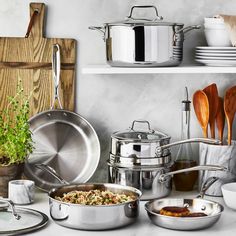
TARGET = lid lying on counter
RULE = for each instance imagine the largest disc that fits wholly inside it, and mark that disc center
(19, 220)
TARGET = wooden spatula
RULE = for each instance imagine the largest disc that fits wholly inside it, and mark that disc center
(212, 95)
(220, 118)
(201, 107)
(230, 109)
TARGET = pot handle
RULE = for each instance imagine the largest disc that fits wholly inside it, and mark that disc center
(100, 29)
(160, 149)
(12, 206)
(206, 186)
(163, 177)
(188, 28)
(56, 71)
(51, 171)
(145, 6)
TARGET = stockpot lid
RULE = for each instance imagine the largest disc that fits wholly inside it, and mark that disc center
(131, 21)
(148, 135)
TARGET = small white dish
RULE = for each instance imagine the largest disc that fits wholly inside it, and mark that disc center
(216, 54)
(215, 57)
(217, 62)
(229, 194)
(216, 48)
(213, 20)
(217, 37)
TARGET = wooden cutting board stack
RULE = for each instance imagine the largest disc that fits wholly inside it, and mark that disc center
(30, 59)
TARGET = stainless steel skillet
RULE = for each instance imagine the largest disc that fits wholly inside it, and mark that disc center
(211, 208)
(63, 140)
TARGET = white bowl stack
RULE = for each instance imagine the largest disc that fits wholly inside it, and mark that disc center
(219, 51)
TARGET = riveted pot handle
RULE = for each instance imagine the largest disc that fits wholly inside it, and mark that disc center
(145, 6)
(160, 149)
(188, 28)
(100, 29)
(206, 186)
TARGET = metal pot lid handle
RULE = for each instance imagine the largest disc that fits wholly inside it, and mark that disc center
(160, 149)
(56, 71)
(144, 122)
(145, 6)
(12, 206)
(163, 177)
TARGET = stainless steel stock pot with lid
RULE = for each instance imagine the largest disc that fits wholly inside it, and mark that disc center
(135, 42)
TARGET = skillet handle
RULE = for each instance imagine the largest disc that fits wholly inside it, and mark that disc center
(56, 70)
(206, 186)
(51, 171)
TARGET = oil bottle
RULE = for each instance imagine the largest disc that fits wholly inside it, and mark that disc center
(185, 159)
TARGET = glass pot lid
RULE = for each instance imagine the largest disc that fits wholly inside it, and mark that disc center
(17, 220)
(132, 21)
(147, 135)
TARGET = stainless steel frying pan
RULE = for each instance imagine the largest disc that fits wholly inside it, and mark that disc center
(63, 140)
(212, 209)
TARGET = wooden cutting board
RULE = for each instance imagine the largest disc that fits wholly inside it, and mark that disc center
(30, 59)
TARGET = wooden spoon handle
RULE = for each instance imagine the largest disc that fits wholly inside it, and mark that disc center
(205, 132)
(212, 128)
(230, 129)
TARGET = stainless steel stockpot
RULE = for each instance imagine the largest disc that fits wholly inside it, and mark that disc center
(96, 217)
(143, 42)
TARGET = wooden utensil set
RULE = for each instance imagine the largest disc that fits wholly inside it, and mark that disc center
(211, 109)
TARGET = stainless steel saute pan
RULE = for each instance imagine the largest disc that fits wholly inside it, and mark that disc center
(212, 209)
(63, 140)
(91, 217)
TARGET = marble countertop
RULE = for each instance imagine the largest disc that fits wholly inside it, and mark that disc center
(225, 226)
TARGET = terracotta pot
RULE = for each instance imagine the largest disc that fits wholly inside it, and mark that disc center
(8, 173)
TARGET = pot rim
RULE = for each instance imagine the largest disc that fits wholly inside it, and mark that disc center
(129, 188)
(134, 23)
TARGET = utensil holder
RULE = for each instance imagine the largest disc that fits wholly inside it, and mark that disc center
(217, 155)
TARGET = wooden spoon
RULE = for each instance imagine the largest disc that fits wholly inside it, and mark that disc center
(220, 118)
(212, 95)
(201, 107)
(230, 109)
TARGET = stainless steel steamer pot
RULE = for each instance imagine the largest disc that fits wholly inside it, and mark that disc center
(143, 42)
(87, 217)
(145, 143)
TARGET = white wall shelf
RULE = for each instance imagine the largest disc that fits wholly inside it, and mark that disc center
(191, 69)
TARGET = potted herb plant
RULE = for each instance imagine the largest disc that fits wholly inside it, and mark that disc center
(15, 138)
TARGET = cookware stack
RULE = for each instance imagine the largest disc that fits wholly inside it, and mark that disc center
(133, 160)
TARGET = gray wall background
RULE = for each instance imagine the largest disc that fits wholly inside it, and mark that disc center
(112, 102)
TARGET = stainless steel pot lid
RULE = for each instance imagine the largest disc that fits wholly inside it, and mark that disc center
(147, 135)
(139, 162)
(29, 220)
(156, 21)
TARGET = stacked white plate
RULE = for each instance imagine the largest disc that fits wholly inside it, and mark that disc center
(216, 56)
